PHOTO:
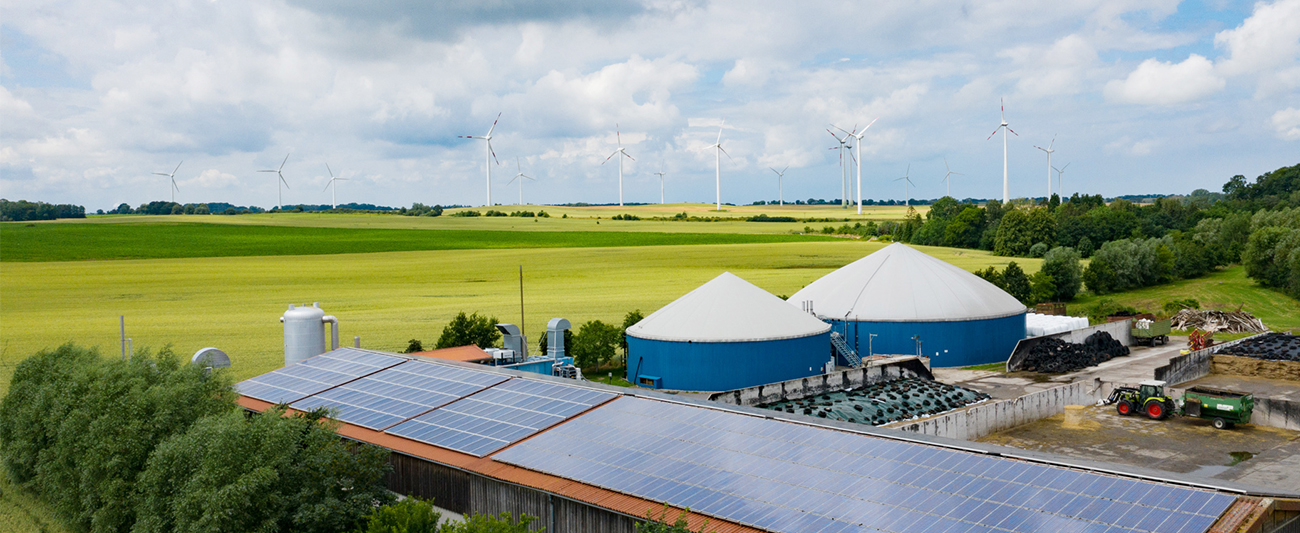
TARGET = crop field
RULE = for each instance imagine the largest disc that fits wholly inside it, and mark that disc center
(144, 240)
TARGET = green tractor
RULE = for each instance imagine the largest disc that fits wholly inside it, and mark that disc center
(1149, 398)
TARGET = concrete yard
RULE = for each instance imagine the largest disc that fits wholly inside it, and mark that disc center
(1137, 366)
(1255, 455)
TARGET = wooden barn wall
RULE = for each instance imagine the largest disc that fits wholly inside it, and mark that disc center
(571, 516)
(449, 488)
(491, 497)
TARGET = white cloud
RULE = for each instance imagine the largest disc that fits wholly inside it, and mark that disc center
(1058, 70)
(1270, 38)
(212, 179)
(1156, 82)
(1287, 124)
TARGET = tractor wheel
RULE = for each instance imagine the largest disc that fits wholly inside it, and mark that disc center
(1124, 407)
(1219, 423)
(1156, 410)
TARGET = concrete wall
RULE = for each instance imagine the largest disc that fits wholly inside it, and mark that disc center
(1119, 331)
(988, 418)
(1194, 365)
(876, 371)
(1276, 413)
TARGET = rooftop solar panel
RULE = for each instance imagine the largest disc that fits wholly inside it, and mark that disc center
(295, 382)
(499, 416)
(781, 476)
(395, 394)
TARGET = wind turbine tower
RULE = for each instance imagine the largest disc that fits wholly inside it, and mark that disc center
(1049, 151)
(280, 172)
(947, 178)
(907, 183)
(844, 181)
(620, 150)
(780, 190)
(661, 184)
(717, 155)
(521, 177)
(334, 198)
(488, 155)
(858, 135)
(1060, 173)
(1006, 190)
(172, 177)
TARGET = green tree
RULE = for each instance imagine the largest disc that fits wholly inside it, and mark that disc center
(1017, 283)
(79, 428)
(1014, 235)
(594, 344)
(628, 321)
(502, 523)
(660, 524)
(992, 275)
(1038, 249)
(473, 329)
(1042, 288)
(1062, 264)
(1099, 276)
(1042, 227)
(414, 345)
(965, 229)
(544, 344)
(269, 472)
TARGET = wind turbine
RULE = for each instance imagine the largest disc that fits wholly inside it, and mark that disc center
(1060, 172)
(718, 162)
(907, 183)
(661, 184)
(858, 135)
(1049, 151)
(172, 176)
(279, 172)
(623, 151)
(780, 191)
(488, 155)
(1006, 190)
(844, 181)
(521, 181)
(946, 177)
(334, 201)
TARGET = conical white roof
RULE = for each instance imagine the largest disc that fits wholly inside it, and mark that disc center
(727, 309)
(900, 284)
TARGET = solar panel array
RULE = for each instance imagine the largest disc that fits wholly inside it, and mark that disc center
(499, 416)
(298, 381)
(780, 476)
(390, 396)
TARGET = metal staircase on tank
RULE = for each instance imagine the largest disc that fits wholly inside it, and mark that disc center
(842, 348)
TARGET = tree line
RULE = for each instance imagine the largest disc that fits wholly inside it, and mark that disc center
(594, 345)
(24, 210)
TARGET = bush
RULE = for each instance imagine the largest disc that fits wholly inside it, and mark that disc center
(495, 213)
(473, 329)
(411, 515)
(1174, 306)
(659, 524)
(630, 320)
(1042, 288)
(1062, 264)
(1038, 250)
(1017, 283)
(414, 345)
(626, 217)
(1106, 307)
(268, 472)
(595, 344)
(568, 343)
(1086, 247)
(466, 213)
(502, 523)
(80, 429)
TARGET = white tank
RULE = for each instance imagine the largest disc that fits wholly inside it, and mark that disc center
(304, 333)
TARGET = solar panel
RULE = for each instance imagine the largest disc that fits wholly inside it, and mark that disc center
(499, 416)
(781, 476)
(395, 394)
(295, 382)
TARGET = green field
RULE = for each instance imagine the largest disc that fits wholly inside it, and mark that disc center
(1226, 290)
(168, 239)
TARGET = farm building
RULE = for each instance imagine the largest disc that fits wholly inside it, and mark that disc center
(726, 334)
(586, 457)
(901, 301)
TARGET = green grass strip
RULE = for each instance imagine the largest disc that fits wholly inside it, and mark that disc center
(80, 242)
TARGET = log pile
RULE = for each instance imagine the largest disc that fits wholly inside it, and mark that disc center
(1212, 321)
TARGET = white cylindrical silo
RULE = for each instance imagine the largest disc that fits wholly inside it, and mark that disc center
(304, 333)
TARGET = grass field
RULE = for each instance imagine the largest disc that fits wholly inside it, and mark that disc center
(1226, 290)
(234, 303)
(167, 239)
(22, 511)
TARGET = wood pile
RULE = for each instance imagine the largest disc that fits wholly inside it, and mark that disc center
(1211, 320)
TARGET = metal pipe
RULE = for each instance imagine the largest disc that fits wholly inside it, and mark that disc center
(334, 330)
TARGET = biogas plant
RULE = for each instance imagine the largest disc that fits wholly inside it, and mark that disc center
(843, 408)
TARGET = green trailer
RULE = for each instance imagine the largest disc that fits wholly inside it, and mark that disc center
(1221, 407)
(1150, 332)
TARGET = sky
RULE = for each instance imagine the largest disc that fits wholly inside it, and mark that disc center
(1138, 97)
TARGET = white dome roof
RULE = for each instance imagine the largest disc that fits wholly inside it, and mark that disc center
(900, 284)
(727, 309)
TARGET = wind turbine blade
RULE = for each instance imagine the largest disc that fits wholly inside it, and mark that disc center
(610, 157)
(787, 167)
(494, 153)
(327, 185)
(628, 156)
(169, 175)
(774, 170)
(959, 173)
(724, 122)
(331, 171)
(618, 136)
(837, 137)
(873, 121)
(494, 125)
(178, 167)
(995, 132)
(286, 184)
(1012, 131)
(175, 186)
(1003, 106)
(1049, 147)
(841, 129)
(258, 171)
(527, 177)
(1066, 165)
(724, 150)
(286, 160)
(945, 165)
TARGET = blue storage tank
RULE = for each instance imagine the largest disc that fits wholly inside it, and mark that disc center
(727, 334)
(899, 300)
